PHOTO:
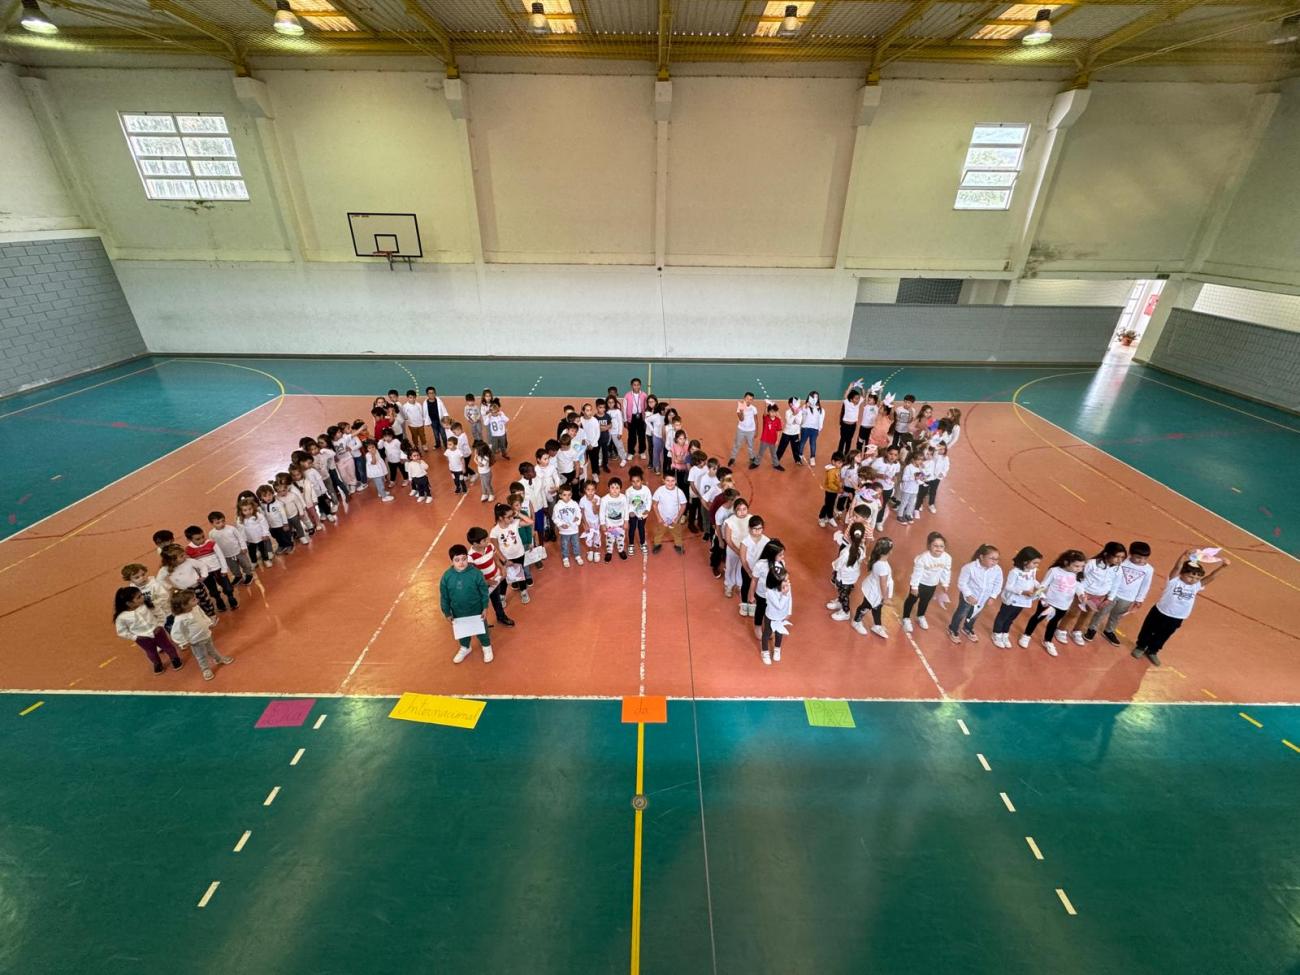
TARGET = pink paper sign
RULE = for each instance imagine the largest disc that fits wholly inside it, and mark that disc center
(286, 714)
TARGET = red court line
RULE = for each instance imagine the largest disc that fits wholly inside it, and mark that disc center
(580, 635)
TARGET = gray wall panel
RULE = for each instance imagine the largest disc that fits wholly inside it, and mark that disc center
(62, 312)
(981, 333)
(1255, 361)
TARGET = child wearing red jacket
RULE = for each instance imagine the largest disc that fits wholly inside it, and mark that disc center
(204, 551)
(768, 438)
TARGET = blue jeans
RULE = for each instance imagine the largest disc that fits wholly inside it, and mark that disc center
(569, 547)
(807, 436)
(963, 617)
(656, 453)
(380, 490)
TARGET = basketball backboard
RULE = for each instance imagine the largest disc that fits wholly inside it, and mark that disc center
(395, 235)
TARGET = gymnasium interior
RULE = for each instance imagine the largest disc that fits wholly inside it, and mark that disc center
(229, 225)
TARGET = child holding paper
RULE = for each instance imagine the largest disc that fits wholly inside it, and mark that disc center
(463, 595)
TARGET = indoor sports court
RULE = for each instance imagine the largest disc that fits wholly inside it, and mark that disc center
(234, 235)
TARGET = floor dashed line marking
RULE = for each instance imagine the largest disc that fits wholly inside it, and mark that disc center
(297, 756)
(28, 710)
(1033, 848)
(1065, 902)
(207, 895)
(1295, 748)
(1250, 719)
(1075, 493)
(319, 721)
(984, 762)
(271, 796)
(1006, 801)
(1209, 693)
(108, 661)
(242, 840)
(962, 725)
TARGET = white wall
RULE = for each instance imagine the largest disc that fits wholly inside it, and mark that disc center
(757, 170)
(33, 197)
(1137, 174)
(1046, 291)
(556, 311)
(1246, 305)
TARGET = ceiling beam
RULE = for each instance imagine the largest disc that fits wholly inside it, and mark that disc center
(665, 38)
(919, 9)
(1222, 28)
(439, 33)
(1135, 29)
(204, 26)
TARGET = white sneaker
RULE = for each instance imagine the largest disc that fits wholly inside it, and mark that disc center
(744, 609)
(1062, 636)
(907, 626)
(839, 616)
(1078, 638)
(933, 509)
(776, 654)
(564, 562)
(487, 655)
(999, 640)
(578, 559)
(881, 632)
(1051, 650)
(388, 498)
(767, 658)
(523, 596)
(833, 604)
(461, 654)
(412, 492)
(857, 625)
(922, 622)
(821, 522)
(727, 591)
(208, 675)
(334, 519)
(1024, 642)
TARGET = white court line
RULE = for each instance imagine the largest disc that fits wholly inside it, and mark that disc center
(26, 528)
(645, 568)
(319, 721)
(207, 896)
(17, 691)
(297, 756)
(271, 796)
(1006, 801)
(962, 725)
(983, 762)
(1033, 848)
(242, 840)
(934, 678)
(1101, 450)
(1065, 902)
(84, 389)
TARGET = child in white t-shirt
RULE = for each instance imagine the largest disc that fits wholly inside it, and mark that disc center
(590, 508)
(638, 499)
(613, 519)
(567, 518)
(418, 471)
(456, 464)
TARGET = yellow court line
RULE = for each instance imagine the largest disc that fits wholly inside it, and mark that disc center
(108, 661)
(1075, 493)
(1209, 693)
(1250, 719)
(414, 381)
(157, 484)
(85, 389)
(1294, 748)
(27, 711)
(225, 479)
(636, 852)
(1021, 410)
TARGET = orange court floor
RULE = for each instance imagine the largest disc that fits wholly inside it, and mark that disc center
(356, 612)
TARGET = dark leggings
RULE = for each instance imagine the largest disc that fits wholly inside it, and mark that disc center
(828, 505)
(497, 595)
(745, 580)
(842, 592)
(929, 491)
(1157, 628)
(923, 596)
(767, 636)
(260, 551)
(1039, 614)
(635, 529)
(159, 641)
(218, 583)
(886, 497)
(1006, 616)
(789, 441)
(760, 610)
(862, 610)
(846, 437)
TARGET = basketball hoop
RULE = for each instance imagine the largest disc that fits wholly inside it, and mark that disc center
(392, 257)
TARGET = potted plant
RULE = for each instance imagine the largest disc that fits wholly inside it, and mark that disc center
(1127, 337)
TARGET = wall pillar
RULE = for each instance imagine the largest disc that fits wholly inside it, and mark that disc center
(1179, 293)
(255, 97)
(864, 114)
(663, 117)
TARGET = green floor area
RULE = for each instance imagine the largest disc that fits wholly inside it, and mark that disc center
(1235, 457)
(769, 845)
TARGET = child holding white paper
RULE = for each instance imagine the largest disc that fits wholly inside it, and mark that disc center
(463, 594)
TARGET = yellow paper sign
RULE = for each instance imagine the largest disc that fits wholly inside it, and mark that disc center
(435, 709)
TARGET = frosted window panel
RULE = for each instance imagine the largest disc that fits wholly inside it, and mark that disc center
(982, 200)
(164, 167)
(987, 157)
(212, 167)
(149, 123)
(172, 189)
(209, 147)
(1005, 135)
(222, 189)
(987, 178)
(201, 123)
(145, 145)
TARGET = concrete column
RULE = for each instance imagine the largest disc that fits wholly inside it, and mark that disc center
(864, 114)
(255, 97)
(663, 117)
(1177, 294)
(456, 93)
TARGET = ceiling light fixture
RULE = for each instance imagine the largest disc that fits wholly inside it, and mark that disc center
(790, 22)
(537, 22)
(1041, 32)
(286, 21)
(35, 21)
(1288, 31)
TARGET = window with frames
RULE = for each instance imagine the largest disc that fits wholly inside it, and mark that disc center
(993, 162)
(184, 157)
